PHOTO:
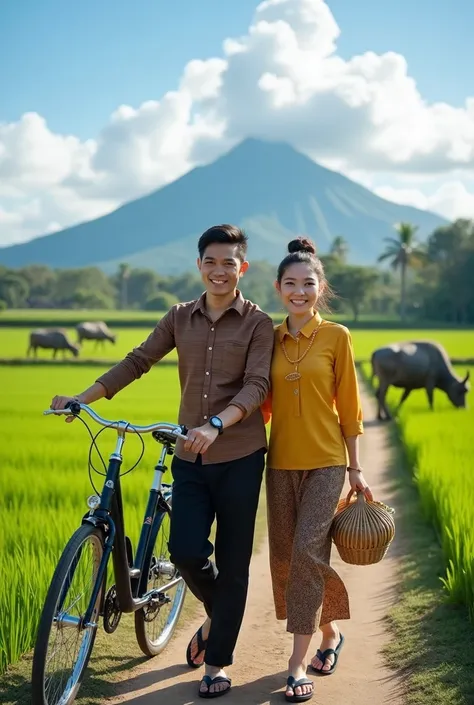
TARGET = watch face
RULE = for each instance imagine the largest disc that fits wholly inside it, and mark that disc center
(216, 422)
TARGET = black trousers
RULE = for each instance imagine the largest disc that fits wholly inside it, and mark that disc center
(229, 493)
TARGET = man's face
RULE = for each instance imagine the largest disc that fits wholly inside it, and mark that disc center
(221, 268)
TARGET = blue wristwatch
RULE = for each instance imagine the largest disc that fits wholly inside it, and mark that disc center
(216, 422)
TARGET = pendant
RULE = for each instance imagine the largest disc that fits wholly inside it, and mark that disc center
(293, 376)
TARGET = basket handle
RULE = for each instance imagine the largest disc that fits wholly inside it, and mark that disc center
(360, 496)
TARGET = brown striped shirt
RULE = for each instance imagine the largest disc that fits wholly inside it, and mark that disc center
(219, 363)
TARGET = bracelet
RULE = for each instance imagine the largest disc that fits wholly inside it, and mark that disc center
(353, 469)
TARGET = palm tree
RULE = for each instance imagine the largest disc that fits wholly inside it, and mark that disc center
(339, 249)
(403, 252)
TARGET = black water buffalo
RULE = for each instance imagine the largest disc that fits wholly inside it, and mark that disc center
(51, 340)
(416, 365)
(94, 330)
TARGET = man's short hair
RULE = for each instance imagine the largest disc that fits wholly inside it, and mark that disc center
(227, 234)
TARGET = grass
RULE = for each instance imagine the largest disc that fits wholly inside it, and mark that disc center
(432, 644)
(24, 318)
(44, 482)
(433, 638)
(14, 343)
(439, 449)
(46, 314)
(113, 656)
(44, 485)
(26, 315)
(43, 490)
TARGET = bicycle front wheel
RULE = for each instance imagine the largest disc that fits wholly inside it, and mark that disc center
(155, 623)
(64, 643)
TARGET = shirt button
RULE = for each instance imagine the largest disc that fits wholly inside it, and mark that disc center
(210, 347)
(207, 373)
(295, 392)
(205, 417)
(212, 330)
(205, 396)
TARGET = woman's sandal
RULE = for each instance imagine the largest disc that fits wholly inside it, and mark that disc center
(212, 681)
(293, 684)
(202, 644)
(324, 655)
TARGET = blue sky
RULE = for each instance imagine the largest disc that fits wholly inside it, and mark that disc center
(68, 66)
(75, 62)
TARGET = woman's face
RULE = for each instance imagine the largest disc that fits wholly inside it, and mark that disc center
(299, 288)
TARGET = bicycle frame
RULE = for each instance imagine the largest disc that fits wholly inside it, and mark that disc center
(129, 580)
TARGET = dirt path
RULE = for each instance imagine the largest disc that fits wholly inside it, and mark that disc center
(259, 672)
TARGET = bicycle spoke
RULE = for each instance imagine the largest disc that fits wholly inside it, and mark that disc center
(67, 644)
(156, 617)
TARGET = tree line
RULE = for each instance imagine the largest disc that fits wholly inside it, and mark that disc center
(429, 281)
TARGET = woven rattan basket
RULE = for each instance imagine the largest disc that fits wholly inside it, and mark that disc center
(362, 531)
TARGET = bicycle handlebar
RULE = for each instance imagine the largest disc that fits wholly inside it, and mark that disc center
(74, 409)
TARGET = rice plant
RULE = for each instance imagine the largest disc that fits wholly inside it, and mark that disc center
(439, 447)
(44, 482)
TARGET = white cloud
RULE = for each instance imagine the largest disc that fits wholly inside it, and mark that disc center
(283, 80)
(40, 212)
(32, 156)
(451, 200)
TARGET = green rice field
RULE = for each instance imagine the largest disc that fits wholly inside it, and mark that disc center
(439, 447)
(14, 342)
(48, 316)
(44, 482)
(71, 314)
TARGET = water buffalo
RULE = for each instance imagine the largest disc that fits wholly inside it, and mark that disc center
(94, 330)
(416, 365)
(51, 340)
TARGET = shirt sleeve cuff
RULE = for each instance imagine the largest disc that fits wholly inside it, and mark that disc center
(106, 380)
(356, 428)
(242, 407)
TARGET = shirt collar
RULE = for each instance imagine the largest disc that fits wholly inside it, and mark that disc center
(307, 329)
(237, 304)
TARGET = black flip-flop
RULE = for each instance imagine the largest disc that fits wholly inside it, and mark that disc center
(323, 655)
(202, 644)
(212, 681)
(292, 683)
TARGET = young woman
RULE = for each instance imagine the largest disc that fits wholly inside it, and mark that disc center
(316, 422)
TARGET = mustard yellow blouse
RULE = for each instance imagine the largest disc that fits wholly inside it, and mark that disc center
(312, 415)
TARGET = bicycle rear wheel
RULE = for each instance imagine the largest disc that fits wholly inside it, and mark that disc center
(155, 623)
(63, 643)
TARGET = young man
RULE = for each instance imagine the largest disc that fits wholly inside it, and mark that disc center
(224, 345)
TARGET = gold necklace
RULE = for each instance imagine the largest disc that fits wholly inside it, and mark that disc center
(293, 376)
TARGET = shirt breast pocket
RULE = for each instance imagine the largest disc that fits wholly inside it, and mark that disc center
(230, 359)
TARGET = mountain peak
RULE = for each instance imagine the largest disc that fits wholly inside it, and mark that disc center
(269, 188)
(254, 148)
(263, 146)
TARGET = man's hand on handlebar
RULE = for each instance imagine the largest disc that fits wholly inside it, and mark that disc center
(61, 402)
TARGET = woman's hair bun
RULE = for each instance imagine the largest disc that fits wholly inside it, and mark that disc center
(302, 244)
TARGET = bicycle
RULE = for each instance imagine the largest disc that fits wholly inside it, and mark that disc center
(73, 621)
